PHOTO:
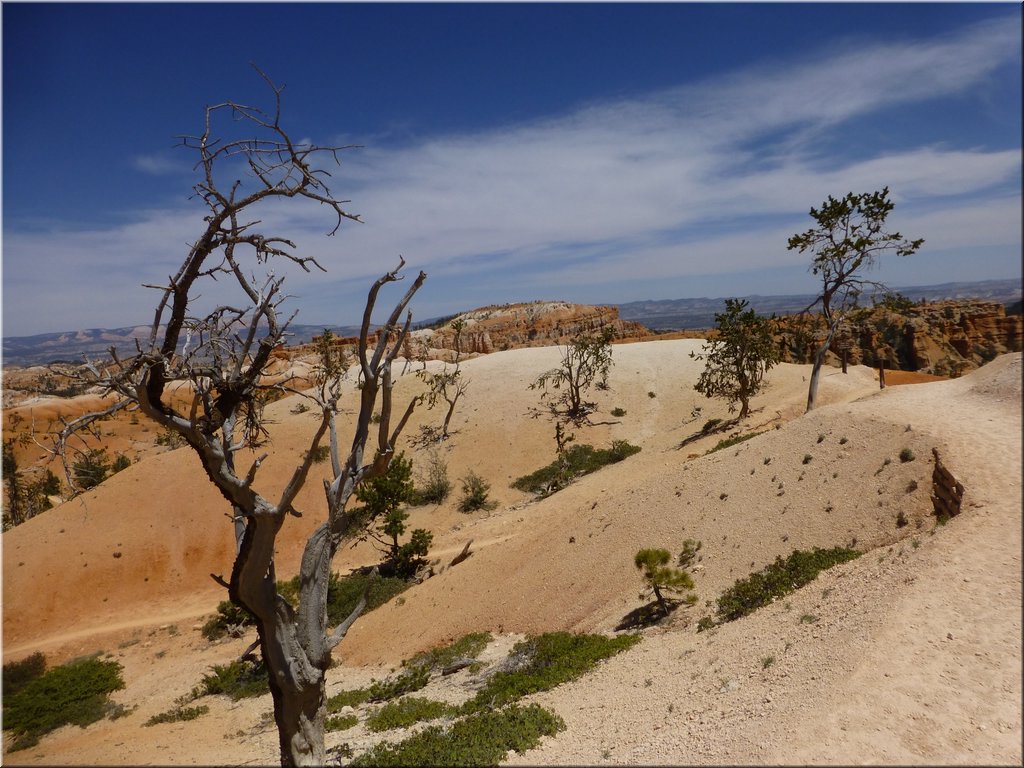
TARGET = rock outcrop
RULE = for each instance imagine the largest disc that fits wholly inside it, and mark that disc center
(944, 338)
(537, 324)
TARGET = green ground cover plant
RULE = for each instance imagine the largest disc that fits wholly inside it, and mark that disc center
(238, 680)
(340, 722)
(406, 711)
(178, 714)
(350, 698)
(540, 663)
(466, 647)
(76, 693)
(18, 674)
(731, 441)
(486, 727)
(483, 738)
(575, 461)
(413, 679)
(474, 493)
(778, 579)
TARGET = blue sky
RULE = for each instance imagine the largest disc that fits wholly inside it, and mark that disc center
(600, 153)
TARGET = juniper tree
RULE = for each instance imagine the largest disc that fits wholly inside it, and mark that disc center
(221, 357)
(848, 239)
(585, 362)
(738, 358)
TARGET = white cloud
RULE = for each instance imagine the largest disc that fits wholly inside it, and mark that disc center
(665, 185)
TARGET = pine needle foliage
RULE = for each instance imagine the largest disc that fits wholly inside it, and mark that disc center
(660, 576)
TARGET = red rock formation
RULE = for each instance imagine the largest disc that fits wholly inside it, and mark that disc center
(541, 323)
(943, 338)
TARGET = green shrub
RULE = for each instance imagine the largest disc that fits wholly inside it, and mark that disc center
(120, 462)
(468, 646)
(436, 485)
(320, 454)
(239, 680)
(228, 616)
(618, 412)
(413, 679)
(482, 739)
(170, 438)
(92, 468)
(907, 455)
(705, 623)
(474, 493)
(18, 674)
(385, 516)
(778, 579)
(340, 722)
(76, 693)
(405, 712)
(731, 441)
(576, 461)
(350, 698)
(541, 662)
(344, 592)
(177, 715)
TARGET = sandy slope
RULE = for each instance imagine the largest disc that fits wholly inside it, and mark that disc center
(915, 656)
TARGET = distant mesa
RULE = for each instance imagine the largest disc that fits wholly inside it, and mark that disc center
(543, 323)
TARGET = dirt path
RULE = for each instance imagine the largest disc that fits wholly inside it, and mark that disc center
(914, 655)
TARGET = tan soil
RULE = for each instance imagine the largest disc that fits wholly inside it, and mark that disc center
(915, 656)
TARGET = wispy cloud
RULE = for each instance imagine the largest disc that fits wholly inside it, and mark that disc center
(160, 164)
(696, 180)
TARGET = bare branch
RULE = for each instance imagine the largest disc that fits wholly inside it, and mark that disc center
(343, 628)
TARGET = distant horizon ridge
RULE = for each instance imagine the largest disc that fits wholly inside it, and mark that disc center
(658, 315)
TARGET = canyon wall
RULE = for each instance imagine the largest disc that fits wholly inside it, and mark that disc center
(944, 338)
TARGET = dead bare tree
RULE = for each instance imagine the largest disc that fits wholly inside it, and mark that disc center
(447, 384)
(204, 378)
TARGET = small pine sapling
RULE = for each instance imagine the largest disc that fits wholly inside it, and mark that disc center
(660, 576)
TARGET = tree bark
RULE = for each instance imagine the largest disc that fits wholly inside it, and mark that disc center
(298, 689)
(819, 360)
(661, 600)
